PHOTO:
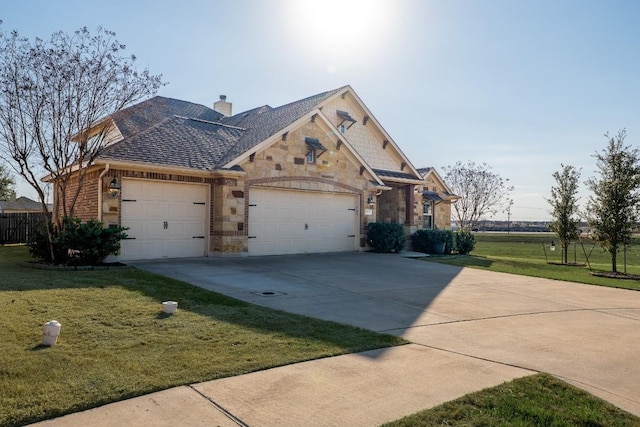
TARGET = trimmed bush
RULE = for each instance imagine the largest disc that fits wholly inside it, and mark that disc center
(465, 242)
(79, 243)
(385, 237)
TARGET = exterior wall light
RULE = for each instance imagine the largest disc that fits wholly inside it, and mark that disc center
(371, 200)
(114, 188)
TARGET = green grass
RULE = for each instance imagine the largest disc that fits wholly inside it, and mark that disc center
(115, 343)
(529, 255)
(537, 400)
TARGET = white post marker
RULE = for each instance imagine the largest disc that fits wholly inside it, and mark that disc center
(169, 307)
(51, 332)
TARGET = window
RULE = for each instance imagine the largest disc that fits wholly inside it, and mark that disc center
(311, 156)
(427, 215)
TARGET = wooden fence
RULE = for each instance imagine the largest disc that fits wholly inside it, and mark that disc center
(18, 227)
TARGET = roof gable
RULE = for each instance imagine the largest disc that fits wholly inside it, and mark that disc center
(366, 134)
(316, 116)
(263, 122)
(431, 173)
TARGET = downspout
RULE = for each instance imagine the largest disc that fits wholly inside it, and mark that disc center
(100, 191)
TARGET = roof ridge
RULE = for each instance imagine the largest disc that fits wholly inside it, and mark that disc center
(195, 119)
(318, 95)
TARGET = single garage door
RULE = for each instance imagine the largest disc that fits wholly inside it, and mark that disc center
(165, 219)
(294, 222)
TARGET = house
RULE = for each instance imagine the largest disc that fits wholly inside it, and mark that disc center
(305, 177)
(20, 205)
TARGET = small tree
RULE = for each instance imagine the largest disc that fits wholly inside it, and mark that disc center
(6, 185)
(52, 97)
(613, 206)
(564, 204)
(481, 192)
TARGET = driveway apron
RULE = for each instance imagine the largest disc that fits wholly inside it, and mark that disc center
(470, 329)
(586, 335)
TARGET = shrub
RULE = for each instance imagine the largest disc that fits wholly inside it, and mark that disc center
(465, 242)
(79, 243)
(422, 241)
(427, 240)
(448, 236)
(385, 237)
(39, 247)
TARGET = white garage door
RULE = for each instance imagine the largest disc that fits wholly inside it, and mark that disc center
(165, 219)
(293, 222)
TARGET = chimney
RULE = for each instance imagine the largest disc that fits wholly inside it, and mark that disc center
(223, 107)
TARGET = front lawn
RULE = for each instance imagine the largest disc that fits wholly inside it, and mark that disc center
(537, 400)
(116, 343)
(530, 255)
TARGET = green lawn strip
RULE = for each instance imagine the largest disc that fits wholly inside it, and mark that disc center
(525, 255)
(115, 342)
(537, 400)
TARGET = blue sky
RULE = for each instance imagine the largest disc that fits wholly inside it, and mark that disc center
(521, 85)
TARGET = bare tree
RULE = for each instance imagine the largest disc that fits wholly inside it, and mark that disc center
(564, 204)
(613, 206)
(481, 192)
(52, 95)
(6, 184)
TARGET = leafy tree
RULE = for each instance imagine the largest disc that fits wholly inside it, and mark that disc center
(564, 204)
(613, 206)
(481, 192)
(6, 185)
(52, 96)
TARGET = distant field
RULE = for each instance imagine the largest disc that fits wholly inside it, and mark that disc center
(530, 254)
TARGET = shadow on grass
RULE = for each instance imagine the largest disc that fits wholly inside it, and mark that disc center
(376, 270)
(40, 347)
(461, 260)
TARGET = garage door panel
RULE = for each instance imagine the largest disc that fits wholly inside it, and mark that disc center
(163, 219)
(285, 221)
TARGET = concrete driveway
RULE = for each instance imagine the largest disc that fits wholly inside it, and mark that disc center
(587, 335)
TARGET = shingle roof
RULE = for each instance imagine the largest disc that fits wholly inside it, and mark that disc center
(167, 131)
(178, 141)
(139, 117)
(394, 174)
(424, 171)
(20, 204)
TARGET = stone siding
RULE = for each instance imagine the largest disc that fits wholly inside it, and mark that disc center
(366, 139)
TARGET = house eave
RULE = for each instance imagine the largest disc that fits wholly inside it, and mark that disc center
(144, 166)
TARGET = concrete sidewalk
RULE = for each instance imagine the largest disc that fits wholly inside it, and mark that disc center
(364, 389)
(471, 329)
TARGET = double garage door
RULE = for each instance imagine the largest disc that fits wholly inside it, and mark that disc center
(165, 219)
(169, 220)
(293, 222)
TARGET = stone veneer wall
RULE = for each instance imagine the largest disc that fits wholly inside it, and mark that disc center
(441, 211)
(392, 206)
(284, 165)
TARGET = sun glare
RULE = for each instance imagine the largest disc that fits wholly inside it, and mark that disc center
(339, 28)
